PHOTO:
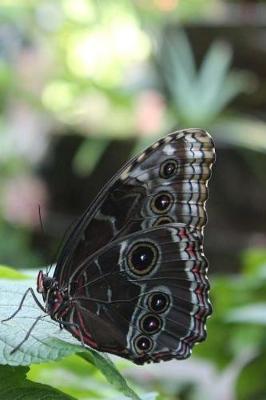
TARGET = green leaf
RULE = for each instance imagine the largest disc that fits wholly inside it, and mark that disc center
(47, 341)
(15, 386)
(199, 97)
(211, 79)
(10, 273)
(234, 83)
(179, 71)
(84, 381)
(106, 366)
(214, 68)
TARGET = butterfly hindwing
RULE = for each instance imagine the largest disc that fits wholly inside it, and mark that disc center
(149, 289)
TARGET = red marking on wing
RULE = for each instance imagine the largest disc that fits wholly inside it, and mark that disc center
(191, 250)
(87, 338)
(183, 234)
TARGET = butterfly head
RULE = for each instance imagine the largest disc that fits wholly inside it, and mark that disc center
(52, 295)
(45, 284)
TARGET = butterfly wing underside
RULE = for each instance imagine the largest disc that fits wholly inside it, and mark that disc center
(134, 263)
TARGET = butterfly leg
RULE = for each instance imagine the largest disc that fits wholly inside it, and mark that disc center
(66, 323)
(28, 333)
(29, 290)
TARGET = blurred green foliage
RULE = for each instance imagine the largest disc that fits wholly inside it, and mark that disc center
(14, 385)
(236, 331)
(199, 97)
(235, 347)
(15, 249)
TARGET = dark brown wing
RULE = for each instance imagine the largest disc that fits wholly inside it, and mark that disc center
(145, 297)
(134, 263)
(166, 183)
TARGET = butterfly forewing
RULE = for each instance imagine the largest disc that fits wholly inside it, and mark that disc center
(135, 198)
(134, 265)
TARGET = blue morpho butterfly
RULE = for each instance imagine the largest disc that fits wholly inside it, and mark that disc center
(131, 277)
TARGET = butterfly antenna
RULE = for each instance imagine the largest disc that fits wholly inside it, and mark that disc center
(41, 225)
(47, 269)
(40, 218)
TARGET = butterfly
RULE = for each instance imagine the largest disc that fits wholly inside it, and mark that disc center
(131, 277)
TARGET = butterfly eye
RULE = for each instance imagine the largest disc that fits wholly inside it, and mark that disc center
(162, 202)
(158, 302)
(142, 258)
(143, 343)
(168, 168)
(150, 324)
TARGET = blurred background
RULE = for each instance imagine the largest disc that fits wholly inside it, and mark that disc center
(86, 84)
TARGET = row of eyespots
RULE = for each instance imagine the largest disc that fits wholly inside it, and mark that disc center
(143, 257)
(163, 201)
(150, 323)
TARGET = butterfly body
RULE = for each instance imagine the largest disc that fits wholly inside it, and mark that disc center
(131, 277)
